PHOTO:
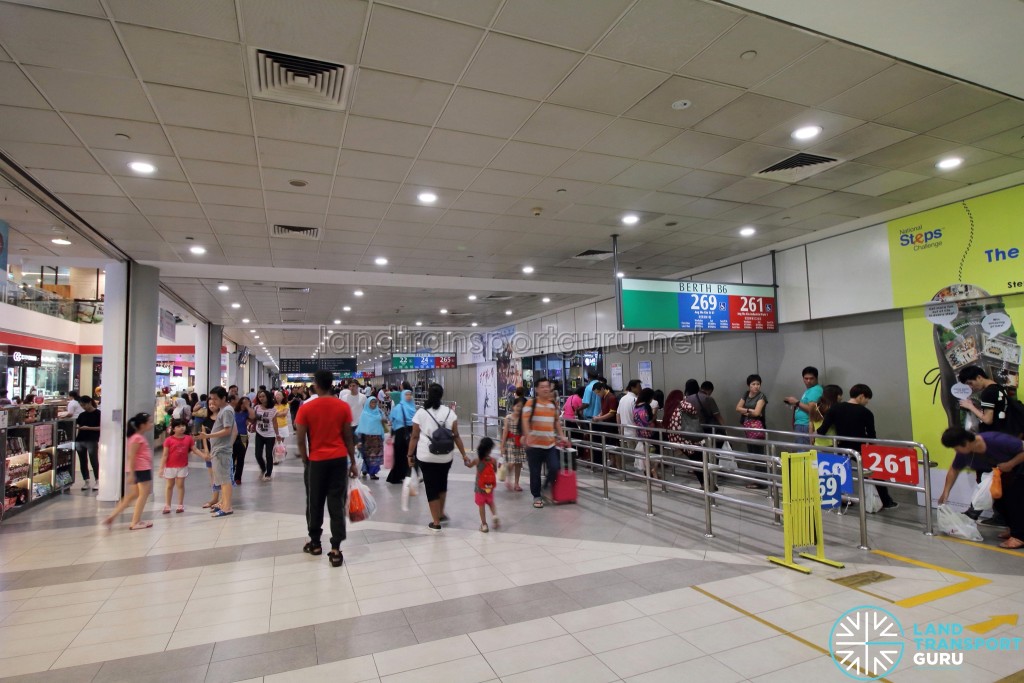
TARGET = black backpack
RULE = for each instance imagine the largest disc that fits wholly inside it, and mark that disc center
(1014, 412)
(442, 441)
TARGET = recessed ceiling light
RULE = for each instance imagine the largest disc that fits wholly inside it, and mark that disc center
(948, 163)
(508, 312)
(141, 167)
(473, 324)
(236, 305)
(527, 269)
(427, 197)
(298, 183)
(358, 292)
(448, 332)
(444, 311)
(472, 297)
(546, 300)
(679, 105)
(223, 287)
(197, 250)
(61, 241)
(256, 337)
(330, 331)
(630, 219)
(381, 261)
(620, 274)
(748, 231)
(245, 320)
(806, 133)
(337, 322)
(748, 55)
(346, 309)
(252, 331)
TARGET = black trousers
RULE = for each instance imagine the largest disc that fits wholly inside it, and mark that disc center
(400, 470)
(88, 454)
(326, 482)
(265, 443)
(238, 449)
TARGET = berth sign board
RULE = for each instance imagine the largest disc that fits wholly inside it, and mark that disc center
(685, 305)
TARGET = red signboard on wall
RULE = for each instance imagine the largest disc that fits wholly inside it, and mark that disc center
(891, 463)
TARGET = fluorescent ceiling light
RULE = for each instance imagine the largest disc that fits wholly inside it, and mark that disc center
(236, 305)
(806, 133)
(337, 322)
(948, 163)
(62, 241)
(527, 269)
(748, 231)
(427, 197)
(198, 250)
(141, 167)
(472, 297)
(358, 292)
(223, 287)
(630, 219)
(346, 309)
(245, 320)
(381, 261)
(546, 300)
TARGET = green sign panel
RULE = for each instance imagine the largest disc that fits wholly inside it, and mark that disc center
(697, 306)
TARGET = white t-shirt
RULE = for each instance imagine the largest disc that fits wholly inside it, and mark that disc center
(355, 403)
(625, 411)
(265, 419)
(443, 416)
(74, 408)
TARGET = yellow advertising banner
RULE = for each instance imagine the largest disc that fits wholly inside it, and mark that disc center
(958, 273)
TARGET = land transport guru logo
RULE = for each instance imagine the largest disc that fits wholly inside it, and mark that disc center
(918, 238)
(867, 643)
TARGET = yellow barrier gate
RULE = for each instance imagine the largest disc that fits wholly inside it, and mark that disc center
(801, 510)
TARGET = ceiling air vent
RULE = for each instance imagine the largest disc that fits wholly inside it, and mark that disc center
(295, 232)
(294, 290)
(298, 80)
(798, 167)
(495, 297)
(594, 255)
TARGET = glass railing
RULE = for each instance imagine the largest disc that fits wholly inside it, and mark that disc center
(48, 303)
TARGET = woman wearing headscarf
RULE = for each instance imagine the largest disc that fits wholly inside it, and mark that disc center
(370, 430)
(401, 427)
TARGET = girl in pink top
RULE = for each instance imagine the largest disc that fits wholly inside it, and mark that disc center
(138, 468)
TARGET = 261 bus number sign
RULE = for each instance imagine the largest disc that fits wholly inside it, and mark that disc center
(891, 463)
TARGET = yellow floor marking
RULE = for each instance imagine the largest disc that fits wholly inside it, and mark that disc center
(967, 584)
(995, 622)
(770, 625)
(985, 546)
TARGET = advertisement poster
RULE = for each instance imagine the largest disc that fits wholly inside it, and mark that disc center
(487, 389)
(645, 375)
(616, 377)
(958, 274)
(167, 325)
(509, 369)
(5, 245)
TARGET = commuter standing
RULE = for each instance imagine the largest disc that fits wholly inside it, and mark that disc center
(751, 407)
(324, 432)
(542, 432)
(222, 438)
(990, 412)
(401, 429)
(625, 413)
(87, 442)
(707, 407)
(805, 406)
(606, 420)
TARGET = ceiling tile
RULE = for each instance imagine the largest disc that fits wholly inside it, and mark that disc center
(663, 202)
(291, 201)
(215, 172)
(606, 86)
(525, 157)
(116, 162)
(595, 168)
(184, 60)
(160, 207)
(628, 138)
(831, 125)
(860, 141)
(748, 159)
(1008, 142)
(401, 98)
(559, 22)
(664, 34)
(239, 229)
(776, 45)
(275, 179)
(440, 174)
(748, 213)
(823, 74)
(213, 146)
(479, 201)
(55, 157)
(413, 214)
(55, 39)
(945, 106)
(360, 188)
(518, 67)
(418, 45)
(460, 148)
(212, 18)
(387, 137)
(562, 190)
(479, 12)
(468, 219)
(476, 111)
(85, 202)
(295, 156)
(16, 90)
(298, 124)
(909, 151)
(702, 183)
(196, 109)
(372, 166)
(986, 170)
(843, 175)
(649, 175)
(357, 208)
(96, 131)
(792, 195)
(924, 190)
(229, 196)
(748, 116)
(896, 87)
(322, 29)
(83, 93)
(983, 124)
(248, 214)
(174, 225)
(563, 126)
(748, 190)
(352, 224)
(886, 182)
(78, 183)
(616, 197)
(109, 222)
(704, 99)
(693, 150)
(146, 188)
(493, 181)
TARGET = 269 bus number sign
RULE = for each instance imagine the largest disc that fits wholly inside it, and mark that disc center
(697, 306)
(891, 463)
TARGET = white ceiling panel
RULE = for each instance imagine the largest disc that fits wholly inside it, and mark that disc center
(525, 157)
(136, 136)
(360, 188)
(823, 74)
(238, 229)
(649, 175)
(186, 61)
(791, 195)
(945, 106)
(482, 201)
(749, 116)
(628, 138)
(982, 124)
(189, 226)
(693, 150)
(665, 34)
(748, 159)
(924, 189)
(702, 183)
(460, 148)
(83, 93)
(414, 214)
(291, 201)
(479, 12)
(417, 45)
(56, 39)
(372, 166)
(235, 213)
(17, 90)
(886, 182)
(663, 202)
(896, 87)
(297, 124)
(606, 86)
(212, 18)
(204, 110)
(357, 208)
(563, 126)
(85, 202)
(860, 141)
(347, 224)
(748, 190)
(909, 151)
(230, 196)
(279, 180)
(409, 194)
(486, 113)
(440, 174)
(842, 176)
(595, 168)
(295, 156)
(55, 157)
(400, 98)
(493, 181)
(559, 22)
(387, 137)
(34, 125)
(322, 29)
(468, 219)
(518, 67)
(88, 183)
(116, 163)
(160, 207)
(215, 172)
(150, 188)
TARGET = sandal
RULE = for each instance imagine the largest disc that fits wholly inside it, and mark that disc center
(538, 503)
(483, 528)
(313, 548)
(336, 558)
(140, 525)
(497, 523)
(180, 508)
(222, 513)
(518, 489)
(166, 510)
(1012, 543)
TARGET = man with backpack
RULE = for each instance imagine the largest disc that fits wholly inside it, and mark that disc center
(542, 432)
(707, 408)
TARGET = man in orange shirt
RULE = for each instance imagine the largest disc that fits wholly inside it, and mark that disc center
(324, 431)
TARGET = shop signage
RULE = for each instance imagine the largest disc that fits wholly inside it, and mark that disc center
(697, 306)
(338, 366)
(24, 357)
(163, 368)
(422, 361)
(167, 324)
(176, 371)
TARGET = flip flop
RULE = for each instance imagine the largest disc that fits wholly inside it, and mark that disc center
(141, 525)
(1012, 544)
(208, 505)
(180, 508)
(166, 510)
(222, 513)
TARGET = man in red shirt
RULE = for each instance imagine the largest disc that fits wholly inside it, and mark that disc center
(324, 430)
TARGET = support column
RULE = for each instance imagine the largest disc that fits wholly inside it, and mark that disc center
(214, 340)
(202, 358)
(129, 357)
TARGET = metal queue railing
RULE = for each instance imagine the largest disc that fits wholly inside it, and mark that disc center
(660, 451)
(923, 461)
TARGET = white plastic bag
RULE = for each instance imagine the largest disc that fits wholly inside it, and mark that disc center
(872, 501)
(409, 489)
(953, 523)
(369, 504)
(727, 462)
(982, 499)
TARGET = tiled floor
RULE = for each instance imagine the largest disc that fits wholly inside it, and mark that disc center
(590, 592)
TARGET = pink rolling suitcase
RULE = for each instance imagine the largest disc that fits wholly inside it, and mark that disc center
(564, 489)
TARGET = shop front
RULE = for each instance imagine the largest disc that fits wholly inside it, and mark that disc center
(40, 372)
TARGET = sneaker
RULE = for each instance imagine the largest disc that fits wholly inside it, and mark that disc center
(86, 487)
(434, 527)
(994, 520)
(95, 488)
(892, 505)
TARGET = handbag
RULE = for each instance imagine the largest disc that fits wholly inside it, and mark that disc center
(754, 423)
(409, 488)
(389, 453)
(502, 472)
